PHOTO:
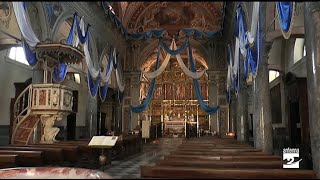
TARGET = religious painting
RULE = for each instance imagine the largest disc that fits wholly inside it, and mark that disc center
(158, 92)
(5, 13)
(174, 16)
(54, 10)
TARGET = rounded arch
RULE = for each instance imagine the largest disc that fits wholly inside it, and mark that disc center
(61, 19)
(40, 11)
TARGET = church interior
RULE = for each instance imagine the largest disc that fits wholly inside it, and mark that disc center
(117, 90)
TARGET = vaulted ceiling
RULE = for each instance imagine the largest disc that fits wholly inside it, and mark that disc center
(140, 17)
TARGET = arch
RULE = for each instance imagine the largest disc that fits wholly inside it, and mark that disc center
(63, 17)
(43, 20)
(148, 50)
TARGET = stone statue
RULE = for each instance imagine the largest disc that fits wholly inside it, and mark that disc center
(166, 117)
(192, 118)
(178, 115)
(49, 132)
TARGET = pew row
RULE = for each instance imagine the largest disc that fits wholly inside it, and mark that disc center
(189, 172)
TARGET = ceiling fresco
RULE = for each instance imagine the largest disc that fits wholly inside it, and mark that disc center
(139, 17)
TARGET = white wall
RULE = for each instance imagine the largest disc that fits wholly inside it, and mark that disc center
(10, 72)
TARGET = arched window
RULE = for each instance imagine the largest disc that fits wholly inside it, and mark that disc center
(273, 75)
(299, 50)
(17, 54)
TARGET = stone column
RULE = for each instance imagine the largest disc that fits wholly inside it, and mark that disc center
(312, 33)
(242, 108)
(92, 115)
(213, 99)
(262, 120)
(135, 95)
(233, 112)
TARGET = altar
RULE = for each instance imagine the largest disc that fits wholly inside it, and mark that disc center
(174, 126)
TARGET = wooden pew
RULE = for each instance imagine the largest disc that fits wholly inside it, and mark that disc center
(70, 152)
(219, 153)
(50, 155)
(25, 158)
(189, 172)
(8, 161)
(223, 157)
(222, 164)
(219, 150)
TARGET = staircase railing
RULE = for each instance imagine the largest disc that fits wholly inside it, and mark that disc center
(22, 105)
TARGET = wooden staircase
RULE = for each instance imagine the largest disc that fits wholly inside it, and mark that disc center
(24, 122)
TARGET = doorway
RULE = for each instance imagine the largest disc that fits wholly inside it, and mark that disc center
(71, 126)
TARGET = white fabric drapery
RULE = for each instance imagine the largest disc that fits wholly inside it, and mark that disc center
(93, 71)
(24, 25)
(157, 72)
(254, 22)
(194, 75)
(105, 79)
(236, 57)
(119, 83)
(154, 74)
(229, 75)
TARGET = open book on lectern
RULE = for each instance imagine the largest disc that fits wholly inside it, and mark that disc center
(103, 141)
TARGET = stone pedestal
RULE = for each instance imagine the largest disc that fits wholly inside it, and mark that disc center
(242, 108)
(312, 40)
(262, 119)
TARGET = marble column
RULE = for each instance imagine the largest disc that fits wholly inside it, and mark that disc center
(242, 108)
(135, 95)
(262, 119)
(92, 115)
(312, 40)
(213, 99)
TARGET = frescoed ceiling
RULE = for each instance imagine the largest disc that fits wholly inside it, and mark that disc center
(139, 17)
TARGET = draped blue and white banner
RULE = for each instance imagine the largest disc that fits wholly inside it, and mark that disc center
(29, 37)
(286, 11)
(204, 107)
(145, 103)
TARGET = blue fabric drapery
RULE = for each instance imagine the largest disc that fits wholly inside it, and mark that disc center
(84, 38)
(285, 11)
(60, 72)
(104, 89)
(256, 53)
(204, 107)
(103, 92)
(158, 33)
(178, 51)
(30, 56)
(93, 84)
(144, 105)
(71, 32)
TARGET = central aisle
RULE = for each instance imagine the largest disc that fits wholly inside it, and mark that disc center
(130, 168)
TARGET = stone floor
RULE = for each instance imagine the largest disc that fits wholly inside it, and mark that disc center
(130, 167)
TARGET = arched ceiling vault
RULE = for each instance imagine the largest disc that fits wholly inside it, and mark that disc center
(140, 17)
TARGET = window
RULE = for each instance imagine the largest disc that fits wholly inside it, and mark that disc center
(273, 75)
(77, 78)
(299, 50)
(17, 54)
